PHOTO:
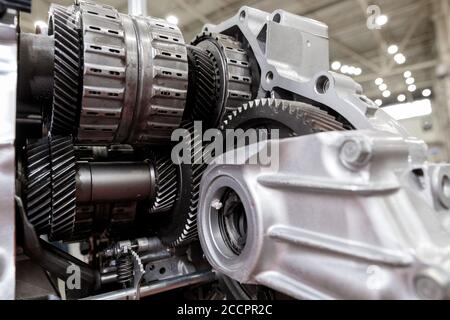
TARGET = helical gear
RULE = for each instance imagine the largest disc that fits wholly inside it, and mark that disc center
(166, 184)
(204, 101)
(64, 26)
(50, 181)
(233, 70)
(38, 185)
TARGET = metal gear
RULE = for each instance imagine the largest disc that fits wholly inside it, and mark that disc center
(166, 184)
(63, 188)
(291, 117)
(64, 26)
(50, 181)
(38, 185)
(179, 228)
(233, 68)
(204, 87)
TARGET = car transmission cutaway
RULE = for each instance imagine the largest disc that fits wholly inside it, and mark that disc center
(346, 207)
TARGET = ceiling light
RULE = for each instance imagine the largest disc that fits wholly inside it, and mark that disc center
(413, 109)
(358, 71)
(335, 65)
(412, 88)
(410, 80)
(426, 92)
(378, 102)
(401, 97)
(386, 93)
(381, 20)
(172, 19)
(400, 58)
(392, 49)
(378, 81)
(407, 74)
(382, 87)
(344, 68)
(352, 70)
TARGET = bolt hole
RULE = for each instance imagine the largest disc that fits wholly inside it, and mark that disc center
(242, 15)
(277, 18)
(322, 84)
(162, 270)
(308, 43)
(269, 76)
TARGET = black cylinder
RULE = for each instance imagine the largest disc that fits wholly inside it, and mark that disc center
(113, 182)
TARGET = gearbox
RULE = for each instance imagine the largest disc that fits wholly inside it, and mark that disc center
(234, 166)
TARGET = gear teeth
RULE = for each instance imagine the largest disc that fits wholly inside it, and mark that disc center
(64, 188)
(83, 221)
(319, 120)
(233, 71)
(51, 186)
(204, 89)
(189, 230)
(38, 185)
(167, 185)
(67, 70)
(315, 118)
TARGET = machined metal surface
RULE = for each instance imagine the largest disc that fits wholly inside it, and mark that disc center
(108, 65)
(8, 80)
(292, 53)
(103, 182)
(164, 69)
(155, 59)
(378, 220)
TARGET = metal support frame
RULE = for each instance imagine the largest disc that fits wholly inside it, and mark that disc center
(8, 80)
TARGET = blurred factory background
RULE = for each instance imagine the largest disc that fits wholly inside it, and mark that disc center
(399, 51)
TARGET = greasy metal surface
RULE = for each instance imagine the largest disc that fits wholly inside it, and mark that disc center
(8, 81)
(380, 231)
